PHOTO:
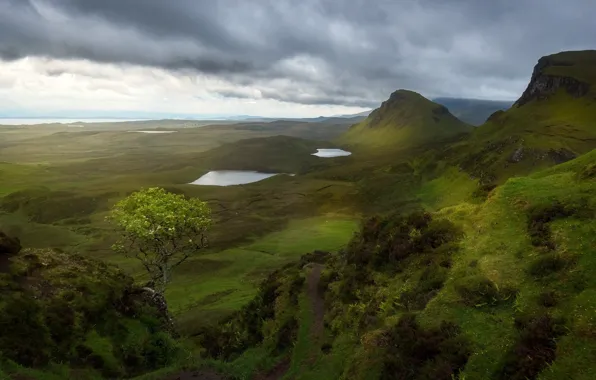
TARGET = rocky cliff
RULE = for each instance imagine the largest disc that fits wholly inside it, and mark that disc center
(549, 76)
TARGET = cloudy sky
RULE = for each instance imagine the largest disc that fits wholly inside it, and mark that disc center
(272, 57)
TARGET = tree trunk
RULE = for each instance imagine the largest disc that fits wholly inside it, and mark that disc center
(158, 300)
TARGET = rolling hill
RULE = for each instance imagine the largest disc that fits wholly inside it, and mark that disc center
(405, 120)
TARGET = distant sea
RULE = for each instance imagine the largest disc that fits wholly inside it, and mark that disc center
(63, 121)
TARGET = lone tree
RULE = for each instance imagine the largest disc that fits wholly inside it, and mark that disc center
(161, 229)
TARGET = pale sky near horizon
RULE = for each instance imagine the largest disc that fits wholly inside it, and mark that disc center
(272, 57)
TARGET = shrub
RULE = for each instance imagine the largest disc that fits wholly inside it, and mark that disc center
(55, 300)
(535, 348)
(483, 190)
(316, 256)
(548, 299)
(387, 241)
(538, 219)
(414, 353)
(479, 291)
(247, 327)
(547, 264)
(430, 282)
(25, 338)
(588, 172)
(327, 277)
(286, 335)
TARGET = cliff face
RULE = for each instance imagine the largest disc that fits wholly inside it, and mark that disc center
(552, 122)
(543, 84)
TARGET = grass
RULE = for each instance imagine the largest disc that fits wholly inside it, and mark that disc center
(304, 346)
(214, 285)
(499, 245)
(434, 197)
(535, 136)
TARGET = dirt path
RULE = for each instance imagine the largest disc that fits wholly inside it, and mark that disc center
(316, 329)
(316, 334)
(318, 303)
(276, 372)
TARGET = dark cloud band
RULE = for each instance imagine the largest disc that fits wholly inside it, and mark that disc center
(350, 52)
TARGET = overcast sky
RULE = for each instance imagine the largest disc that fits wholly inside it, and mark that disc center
(273, 57)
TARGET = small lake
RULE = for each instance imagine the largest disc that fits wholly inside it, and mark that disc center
(231, 177)
(152, 132)
(326, 153)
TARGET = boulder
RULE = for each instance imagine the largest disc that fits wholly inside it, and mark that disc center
(8, 245)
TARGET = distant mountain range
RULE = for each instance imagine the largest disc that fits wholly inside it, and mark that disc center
(473, 111)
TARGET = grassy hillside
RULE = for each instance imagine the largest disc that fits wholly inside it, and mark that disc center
(551, 123)
(498, 289)
(406, 119)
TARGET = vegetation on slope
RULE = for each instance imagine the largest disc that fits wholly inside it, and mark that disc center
(78, 318)
(552, 122)
(498, 289)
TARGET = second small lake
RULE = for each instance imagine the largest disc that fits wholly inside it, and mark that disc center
(326, 153)
(231, 177)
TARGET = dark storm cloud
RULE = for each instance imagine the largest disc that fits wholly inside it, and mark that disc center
(350, 52)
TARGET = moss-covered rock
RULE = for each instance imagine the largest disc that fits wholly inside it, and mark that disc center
(9, 245)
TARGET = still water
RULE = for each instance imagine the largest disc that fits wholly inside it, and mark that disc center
(231, 177)
(326, 153)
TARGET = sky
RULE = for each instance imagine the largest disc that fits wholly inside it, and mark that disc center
(277, 58)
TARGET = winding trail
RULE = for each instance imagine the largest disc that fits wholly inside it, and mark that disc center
(316, 334)
(316, 329)
(318, 303)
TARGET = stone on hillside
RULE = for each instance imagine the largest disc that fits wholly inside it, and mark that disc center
(9, 245)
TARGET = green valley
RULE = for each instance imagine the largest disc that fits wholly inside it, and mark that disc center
(436, 250)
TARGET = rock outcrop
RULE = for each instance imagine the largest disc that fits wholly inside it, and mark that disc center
(542, 84)
(9, 245)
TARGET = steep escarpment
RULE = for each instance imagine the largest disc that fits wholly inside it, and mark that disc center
(552, 122)
(405, 120)
(555, 72)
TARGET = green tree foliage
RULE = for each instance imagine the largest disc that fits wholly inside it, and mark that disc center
(160, 229)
